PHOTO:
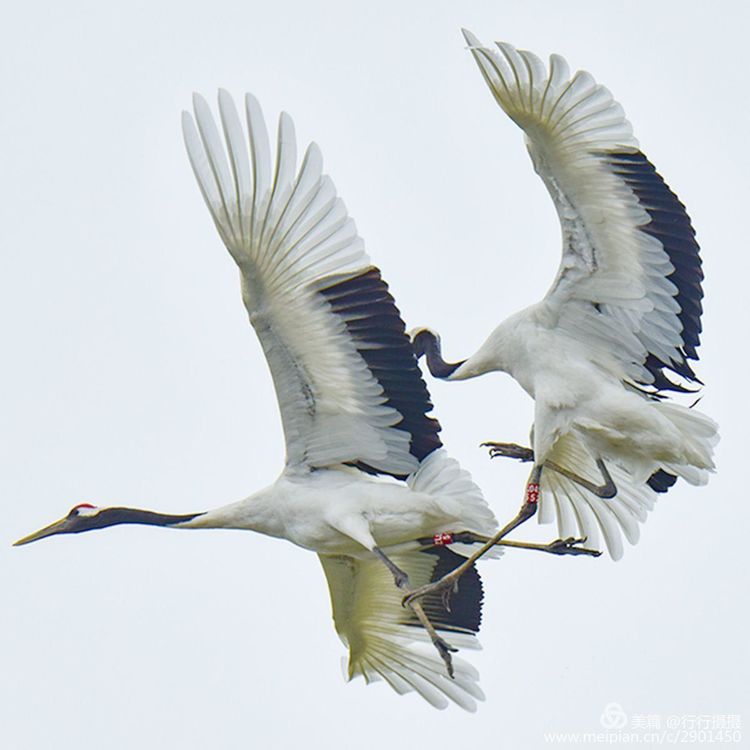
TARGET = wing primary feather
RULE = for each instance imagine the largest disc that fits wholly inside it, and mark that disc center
(537, 71)
(239, 162)
(512, 58)
(286, 159)
(216, 159)
(260, 152)
(349, 389)
(204, 176)
(303, 194)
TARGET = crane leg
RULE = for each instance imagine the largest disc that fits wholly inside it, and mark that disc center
(606, 490)
(447, 584)
(568, 546)
(401, 580)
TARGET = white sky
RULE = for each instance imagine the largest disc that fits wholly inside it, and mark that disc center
(132, 377)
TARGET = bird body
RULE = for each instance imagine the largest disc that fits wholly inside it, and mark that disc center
(579, 389)
(342, 511)
(599, 354)
(366, 483)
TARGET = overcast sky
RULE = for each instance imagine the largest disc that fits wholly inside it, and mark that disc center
(132, 377)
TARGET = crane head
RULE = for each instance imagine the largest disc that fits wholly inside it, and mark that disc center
(81, 517)
(418, 337)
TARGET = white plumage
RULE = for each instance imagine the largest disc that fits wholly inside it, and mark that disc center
(291, 237)
(366, 481)
(623, 311)
(384, 643)
(383, 640)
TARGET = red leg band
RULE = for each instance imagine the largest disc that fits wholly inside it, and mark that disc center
(440, 540)
(532, 492)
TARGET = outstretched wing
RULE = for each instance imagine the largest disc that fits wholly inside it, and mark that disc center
(629, 284)
(387, 642)
(348, 385)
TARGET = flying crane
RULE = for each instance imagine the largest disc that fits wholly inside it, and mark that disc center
(616, 331)
(367, 484)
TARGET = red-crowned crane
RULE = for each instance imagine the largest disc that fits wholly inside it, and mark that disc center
(623, 311)
(366, 484)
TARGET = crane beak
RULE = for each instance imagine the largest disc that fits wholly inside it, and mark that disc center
(58, 527)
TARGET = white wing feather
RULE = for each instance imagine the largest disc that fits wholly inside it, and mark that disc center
(291, 236)
(627, 296)
(623, 230)
(370, 620)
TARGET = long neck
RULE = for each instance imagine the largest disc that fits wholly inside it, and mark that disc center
(427, 343)
(505, 350)
(116, 516)
(258, 512)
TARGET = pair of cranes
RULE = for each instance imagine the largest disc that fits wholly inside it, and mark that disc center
(397, 524)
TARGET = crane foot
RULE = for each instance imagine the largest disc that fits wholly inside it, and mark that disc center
(509, 450)
(446, 586)
(401, 579)
(570, 546)
(445, 649)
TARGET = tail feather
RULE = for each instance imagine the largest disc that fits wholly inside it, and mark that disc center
(699, 435)
(441, 476)
(581, 513)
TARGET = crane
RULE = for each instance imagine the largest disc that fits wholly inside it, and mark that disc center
(366, 484)
(613, 336)
(365, 477)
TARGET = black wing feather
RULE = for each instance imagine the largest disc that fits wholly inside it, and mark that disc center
(379, 334)
(465, 614)
(671, 225)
